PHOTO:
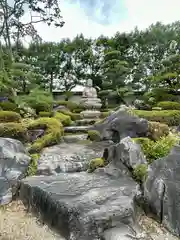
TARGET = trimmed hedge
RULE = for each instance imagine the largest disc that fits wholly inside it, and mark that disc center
(41, 107)
(53, 133)
(70, 105)
(94, 135)
(157, 130)
(9, 116)
(96, 163)
(64, 119)
(13, 130)
(74, 116)
(9, 106)
(169, 117)
(46, 114)
(168, 105)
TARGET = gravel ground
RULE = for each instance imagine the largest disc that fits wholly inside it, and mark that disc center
(17, 224)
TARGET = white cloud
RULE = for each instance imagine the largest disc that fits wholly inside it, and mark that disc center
(140, 13)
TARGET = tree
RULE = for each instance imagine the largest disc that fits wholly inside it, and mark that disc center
(13, 27)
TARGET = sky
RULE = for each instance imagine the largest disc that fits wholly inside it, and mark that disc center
(96, 17)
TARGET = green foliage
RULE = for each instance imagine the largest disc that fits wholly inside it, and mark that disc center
(53, 133)
(94, 135)
(70, 105)
(9, 106)
(74, 116)
(13, 130)
(169, 117)
(37, 99)
(64, 119)
(32, 169)
(105, 114)
(9, 116)
(156, 109)
(155, 150)
(157, 130)
(169, 105)
(96, 163)
(140, 173)
(46, 114)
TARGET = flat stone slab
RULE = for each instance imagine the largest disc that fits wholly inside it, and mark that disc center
(75, 129)
(87, 121)
(67, 157)
(81, 206)
(75, 138)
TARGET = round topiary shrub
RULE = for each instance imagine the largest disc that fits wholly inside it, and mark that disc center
(157, 130)
(46, 114)
(64, 119)
(94, 135)
(9, 116)
(168, 105)
(40, 107)
(96, 163)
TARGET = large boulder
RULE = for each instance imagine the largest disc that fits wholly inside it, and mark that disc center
(121, 124)
(81, 206)
(66, 157)
(162, 190)
(14, 161)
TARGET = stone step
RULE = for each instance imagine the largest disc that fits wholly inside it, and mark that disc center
(73, 138)
(77, 129)
(85, 122)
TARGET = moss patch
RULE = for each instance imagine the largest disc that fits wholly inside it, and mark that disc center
(14, 130)
(96, 163)
(53, 133)
(32, 169)
(9, 116)
(64, 119)
(94, 135)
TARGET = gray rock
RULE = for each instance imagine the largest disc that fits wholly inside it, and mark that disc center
(77, 129)
(81, 206)
(68, 157)
(14, 161)
(129, 153)
(82, 122)
(121, 124)
(162, 188)
(75, 138)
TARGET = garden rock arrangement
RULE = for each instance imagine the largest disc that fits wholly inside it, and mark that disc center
(14, 162)
(121, 124)
(161, 190)
(69, 157)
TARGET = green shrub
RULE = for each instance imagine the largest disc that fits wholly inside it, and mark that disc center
(94, 135)
(53, 133)
(9, 106)
(167, 105)
(74, 116)
(70, 105)
(64, 119)
(96, 163)
(40, 107)
(46, 114)
(9, 116)
(13, 130)
(157, 130)
(105, 114)
(156, 109)
(140, 172)
(155, 150)
(32, 169)
(169, 117)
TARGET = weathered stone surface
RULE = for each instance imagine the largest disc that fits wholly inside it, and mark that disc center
(14, 161)
(121, 124)
(81, 206)
(35, 133)
(72, 138)
(77, 129)
(162, 190)
(68, 157)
